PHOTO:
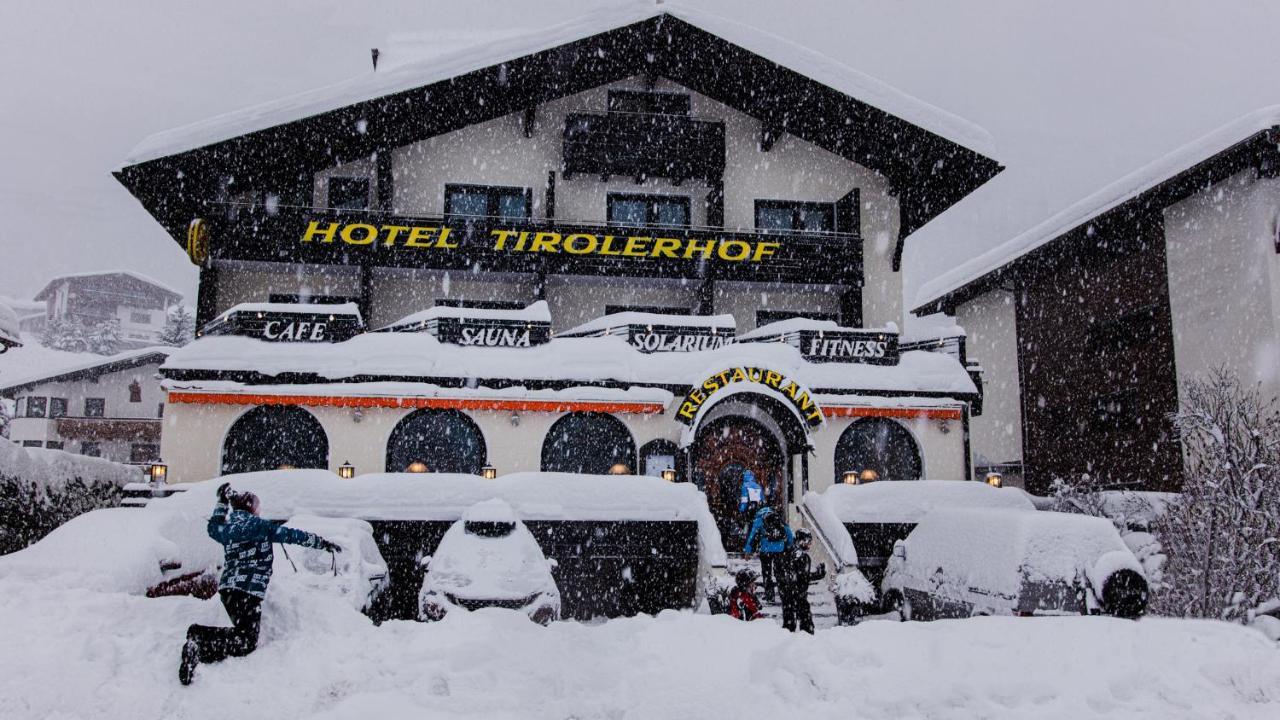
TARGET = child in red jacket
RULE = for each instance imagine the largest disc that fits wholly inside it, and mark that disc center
(743, 603)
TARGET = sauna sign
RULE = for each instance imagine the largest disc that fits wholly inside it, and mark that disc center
(778, 385)
(443, 238)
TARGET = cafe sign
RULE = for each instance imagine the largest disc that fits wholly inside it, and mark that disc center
(774, 382)
(308, 323)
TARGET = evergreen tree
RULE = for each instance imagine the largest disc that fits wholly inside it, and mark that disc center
(104, 338)
(180, 328)
(64, 334)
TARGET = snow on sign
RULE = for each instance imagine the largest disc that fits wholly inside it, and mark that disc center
(825, 341)
(794, 393)
(479, 327)
(289, 322)
(655, 332)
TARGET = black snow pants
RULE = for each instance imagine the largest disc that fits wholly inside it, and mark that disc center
(795, 608)
(217, 643)
(770, 569)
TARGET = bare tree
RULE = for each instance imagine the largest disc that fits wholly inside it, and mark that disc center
(1222, 536)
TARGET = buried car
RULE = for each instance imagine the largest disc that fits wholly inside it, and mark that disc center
(489, 559)
(358, 573)
(967, 562)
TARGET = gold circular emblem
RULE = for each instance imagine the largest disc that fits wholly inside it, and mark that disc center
(198, 241)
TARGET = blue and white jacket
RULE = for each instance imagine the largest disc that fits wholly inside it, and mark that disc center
(246, 545)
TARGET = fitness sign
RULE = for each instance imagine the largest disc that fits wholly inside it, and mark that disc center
(796, 394)
(444, 238)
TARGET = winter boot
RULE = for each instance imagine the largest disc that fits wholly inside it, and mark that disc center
(190, 658)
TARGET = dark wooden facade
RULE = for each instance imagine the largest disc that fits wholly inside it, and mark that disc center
(1095, 354)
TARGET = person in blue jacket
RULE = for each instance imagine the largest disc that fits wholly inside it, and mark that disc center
(247, 558)
(771, 535)
(750, 498)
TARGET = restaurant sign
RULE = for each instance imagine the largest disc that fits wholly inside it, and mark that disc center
(779, 385)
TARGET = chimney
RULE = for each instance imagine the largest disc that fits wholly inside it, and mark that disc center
(375, 54)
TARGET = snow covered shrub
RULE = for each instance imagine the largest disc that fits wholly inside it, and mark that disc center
(30, 510)
(1222, 534)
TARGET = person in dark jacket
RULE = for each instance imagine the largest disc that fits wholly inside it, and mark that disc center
(743, 603)
(771, 536)
(795, 574)
(247, 558)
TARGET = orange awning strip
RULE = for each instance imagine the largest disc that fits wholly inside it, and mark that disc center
(417, 402)
(913, 413)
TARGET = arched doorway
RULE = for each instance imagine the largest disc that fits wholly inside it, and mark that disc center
(724, 449)
(274, 436)
(445, 441)
(881, 445)
(588, 442)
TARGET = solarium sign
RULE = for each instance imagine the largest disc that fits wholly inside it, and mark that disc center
(444, 238)
(785, 388)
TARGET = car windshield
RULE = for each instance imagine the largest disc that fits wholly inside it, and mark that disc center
(488, 528)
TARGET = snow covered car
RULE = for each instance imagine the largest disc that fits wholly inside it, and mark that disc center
(489, 559)
(878, 514)
(358, 573)
(966, 562)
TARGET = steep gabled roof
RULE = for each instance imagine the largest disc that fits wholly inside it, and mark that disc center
(48, 289)
(931, 157)
(1251, 140)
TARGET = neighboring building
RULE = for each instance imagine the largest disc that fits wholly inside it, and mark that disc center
(110, 408)
(30, 314)
(557, 246)
(140, 304)
(10, 336)
(1091, 324)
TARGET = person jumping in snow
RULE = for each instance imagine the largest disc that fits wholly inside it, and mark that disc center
(247, 558)
(795, 574)
(772, 536)
(743, 603)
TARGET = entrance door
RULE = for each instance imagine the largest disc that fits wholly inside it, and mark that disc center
(724, 450)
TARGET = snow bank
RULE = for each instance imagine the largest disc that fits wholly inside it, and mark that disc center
(51, 469)
(431, 496)
(80, 654)
(828, 523)
(908, 501)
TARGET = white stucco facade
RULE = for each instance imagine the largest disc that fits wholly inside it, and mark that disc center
(991, 338)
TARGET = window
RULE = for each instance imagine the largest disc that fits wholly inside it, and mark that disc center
(57, 407)
(655, 309)
(661, 103)
(349, 193)
(54, 444)
(135, 392)
(32, 443)
(444, 440)
(20, 407)
(881, 445)
(160, 410)
(90, 449)
(144, 452)
(139, 318)
(764, 317)
(95, 407)
(271, 436)
(480, 304)
(587, 442)
(789, 216)
(37, 406)
(488, 201)
(626, 209)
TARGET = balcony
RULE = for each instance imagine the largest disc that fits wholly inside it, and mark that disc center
(126, 429)
(531, 245)
(641, 145)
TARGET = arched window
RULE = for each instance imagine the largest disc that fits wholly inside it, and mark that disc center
(880, 445)
(445, 441)
(274, 436)
(658, 455)
(593, 443)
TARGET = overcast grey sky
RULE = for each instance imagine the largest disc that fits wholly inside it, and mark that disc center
(1075, 94)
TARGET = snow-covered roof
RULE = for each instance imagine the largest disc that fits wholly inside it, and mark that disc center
(98, 365)
(23, 308)
(907, 501)
(536, 312)
(581, 360)
(104, 273)
(1126, 188)
(791, 325)
(9, 330)
(349, 308)
(613, 320)
(920, 328)
(409, 75)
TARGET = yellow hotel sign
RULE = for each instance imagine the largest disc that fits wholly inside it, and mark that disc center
(442, 237)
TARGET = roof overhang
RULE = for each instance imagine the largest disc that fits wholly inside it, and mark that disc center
(927, 171)
(1252, 141)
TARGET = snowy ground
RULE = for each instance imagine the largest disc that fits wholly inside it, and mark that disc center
(72, 653)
